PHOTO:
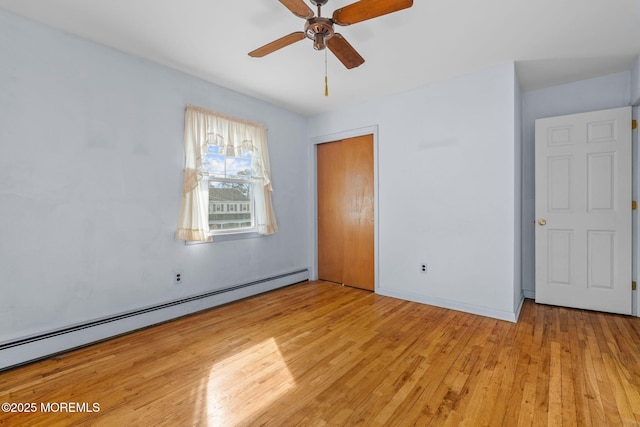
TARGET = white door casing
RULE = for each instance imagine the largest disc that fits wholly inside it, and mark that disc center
(583, 210)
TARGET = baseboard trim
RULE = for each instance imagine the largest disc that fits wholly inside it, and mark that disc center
(454, 305)
(519, 308)
(29, 349)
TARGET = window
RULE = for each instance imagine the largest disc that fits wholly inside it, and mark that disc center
(229, 183)
(227, 179)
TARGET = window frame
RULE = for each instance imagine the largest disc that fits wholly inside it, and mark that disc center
(206, 179)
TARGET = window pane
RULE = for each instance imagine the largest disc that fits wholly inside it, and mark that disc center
(239, 167)
(214, 162)
(230, 205)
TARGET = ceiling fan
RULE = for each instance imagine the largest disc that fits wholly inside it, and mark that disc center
(320, 29)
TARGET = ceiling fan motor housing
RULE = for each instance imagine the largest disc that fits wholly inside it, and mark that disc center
(319, 30)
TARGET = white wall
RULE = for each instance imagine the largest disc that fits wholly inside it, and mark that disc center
(447, 189)
(635, 83)
(600, 93)
(634, 215)
(91, 165)
(518, 295)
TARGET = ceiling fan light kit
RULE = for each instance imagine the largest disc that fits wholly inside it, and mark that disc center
(320, 29)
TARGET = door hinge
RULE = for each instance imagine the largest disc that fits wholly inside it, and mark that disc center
(634, 205)
(634, 124)
(633, 286)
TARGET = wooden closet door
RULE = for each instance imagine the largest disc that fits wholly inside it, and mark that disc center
(331, 193)
(346, 212)
(358, 253)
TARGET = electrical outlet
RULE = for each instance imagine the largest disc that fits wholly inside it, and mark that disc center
(423, 268)
(178, 279)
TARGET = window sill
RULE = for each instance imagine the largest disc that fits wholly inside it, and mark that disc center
(229, 236)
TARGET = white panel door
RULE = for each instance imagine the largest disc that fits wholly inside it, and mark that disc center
(583, 210)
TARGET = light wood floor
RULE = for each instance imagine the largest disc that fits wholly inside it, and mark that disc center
(320, 354)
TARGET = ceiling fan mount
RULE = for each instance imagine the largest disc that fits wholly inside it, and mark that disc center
(320, 30)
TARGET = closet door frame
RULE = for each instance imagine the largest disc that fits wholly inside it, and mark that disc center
(313, 214)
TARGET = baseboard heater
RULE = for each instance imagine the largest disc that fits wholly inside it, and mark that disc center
(32, 348)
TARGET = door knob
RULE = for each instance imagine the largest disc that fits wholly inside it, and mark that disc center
(542, 222)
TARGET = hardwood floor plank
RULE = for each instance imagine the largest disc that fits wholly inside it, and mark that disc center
(521, 343)
(554, 414)
(567, 386)
(319, 354)
(576, 351)
(543, 380)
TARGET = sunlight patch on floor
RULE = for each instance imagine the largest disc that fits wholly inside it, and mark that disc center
(236, 390)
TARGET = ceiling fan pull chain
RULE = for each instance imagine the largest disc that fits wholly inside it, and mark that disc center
(326, 79)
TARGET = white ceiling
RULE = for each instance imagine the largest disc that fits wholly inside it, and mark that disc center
(551, 41)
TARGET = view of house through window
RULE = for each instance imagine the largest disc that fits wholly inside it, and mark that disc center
(229, 180)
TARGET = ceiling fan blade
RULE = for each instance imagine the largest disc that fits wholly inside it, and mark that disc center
(298, 8)
(277, 44)
(368, 9)
(344, 51)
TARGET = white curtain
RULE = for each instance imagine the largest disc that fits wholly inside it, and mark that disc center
(201, 129)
